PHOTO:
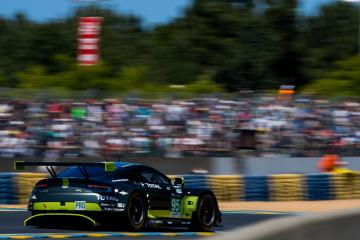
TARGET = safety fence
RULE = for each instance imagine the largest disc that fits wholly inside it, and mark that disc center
(15, 188)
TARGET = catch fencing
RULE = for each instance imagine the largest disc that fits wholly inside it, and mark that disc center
(15, 188)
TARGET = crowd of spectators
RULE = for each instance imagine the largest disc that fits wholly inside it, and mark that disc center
(178, 128)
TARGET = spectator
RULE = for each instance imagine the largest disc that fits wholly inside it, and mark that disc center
(196, 127)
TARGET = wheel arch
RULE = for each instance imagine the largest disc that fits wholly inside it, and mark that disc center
(199, 192)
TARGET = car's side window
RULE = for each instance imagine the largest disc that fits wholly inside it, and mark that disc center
(163, 180)
(122, 176)
(134, 177)
(153, 177)
(149, 177)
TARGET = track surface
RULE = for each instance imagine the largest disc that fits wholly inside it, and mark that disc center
(11, 222)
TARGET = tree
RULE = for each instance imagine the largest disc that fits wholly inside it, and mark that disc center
(225, 37)
(342, 80)
(282, 18)
(203, 85)
(14, 46)
(330, 37)
(244, 44)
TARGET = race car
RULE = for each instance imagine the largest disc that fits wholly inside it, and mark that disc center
(124, 194)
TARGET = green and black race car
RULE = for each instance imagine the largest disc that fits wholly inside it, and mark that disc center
(118, 193)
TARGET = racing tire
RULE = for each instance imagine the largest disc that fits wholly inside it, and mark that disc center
(136, 212)
(204, 218)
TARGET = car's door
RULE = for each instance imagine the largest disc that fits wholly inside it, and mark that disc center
(158, 187)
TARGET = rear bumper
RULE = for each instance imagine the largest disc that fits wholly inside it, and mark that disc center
(45, 201)
(63, 206)
(77, 206)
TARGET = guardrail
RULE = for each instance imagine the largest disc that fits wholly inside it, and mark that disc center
(16, 187)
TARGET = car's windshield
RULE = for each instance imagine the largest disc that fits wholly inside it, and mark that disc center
(74, 172)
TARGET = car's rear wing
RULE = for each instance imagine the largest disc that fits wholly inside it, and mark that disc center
(108, 166)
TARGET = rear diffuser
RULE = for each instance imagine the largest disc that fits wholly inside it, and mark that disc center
(59, 220)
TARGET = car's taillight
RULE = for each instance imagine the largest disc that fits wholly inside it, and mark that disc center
(42, 185)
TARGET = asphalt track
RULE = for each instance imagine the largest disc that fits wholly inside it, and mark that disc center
(11, 227)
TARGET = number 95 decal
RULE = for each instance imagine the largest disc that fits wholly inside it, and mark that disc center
(175, 207)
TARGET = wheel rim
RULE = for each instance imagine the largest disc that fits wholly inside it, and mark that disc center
(207, 212)
(137, 211)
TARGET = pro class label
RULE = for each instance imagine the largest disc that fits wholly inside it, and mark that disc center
(80, 205)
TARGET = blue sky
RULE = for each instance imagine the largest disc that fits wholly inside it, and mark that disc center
(151, 11)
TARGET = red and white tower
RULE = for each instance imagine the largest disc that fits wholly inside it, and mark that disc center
(88, 40)
(89, 29)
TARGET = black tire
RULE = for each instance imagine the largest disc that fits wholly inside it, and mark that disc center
(204, 218)
(136, 212)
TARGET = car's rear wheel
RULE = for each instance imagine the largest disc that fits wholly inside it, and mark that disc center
(204, 218)
(136, 212)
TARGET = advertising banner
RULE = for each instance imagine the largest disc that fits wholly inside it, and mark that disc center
(88, 40)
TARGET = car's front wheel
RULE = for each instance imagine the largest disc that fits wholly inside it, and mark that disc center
(204, 217)
(136, 212)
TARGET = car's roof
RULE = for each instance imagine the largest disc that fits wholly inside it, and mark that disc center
(124, 164)
(128, 166)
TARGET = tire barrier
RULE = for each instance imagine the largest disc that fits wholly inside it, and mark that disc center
(346, 186)
(286, 187)
(196, 181)
(227, 188)
(256, 188)
(279, 187)
(15, 188)
(7, 186)
(25, 183)
(319, 187)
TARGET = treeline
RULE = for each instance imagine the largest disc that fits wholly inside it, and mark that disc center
(216, 45)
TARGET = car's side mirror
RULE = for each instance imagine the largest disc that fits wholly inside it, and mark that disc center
(179, 181)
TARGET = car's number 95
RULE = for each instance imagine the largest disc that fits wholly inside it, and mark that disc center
(175, 206)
